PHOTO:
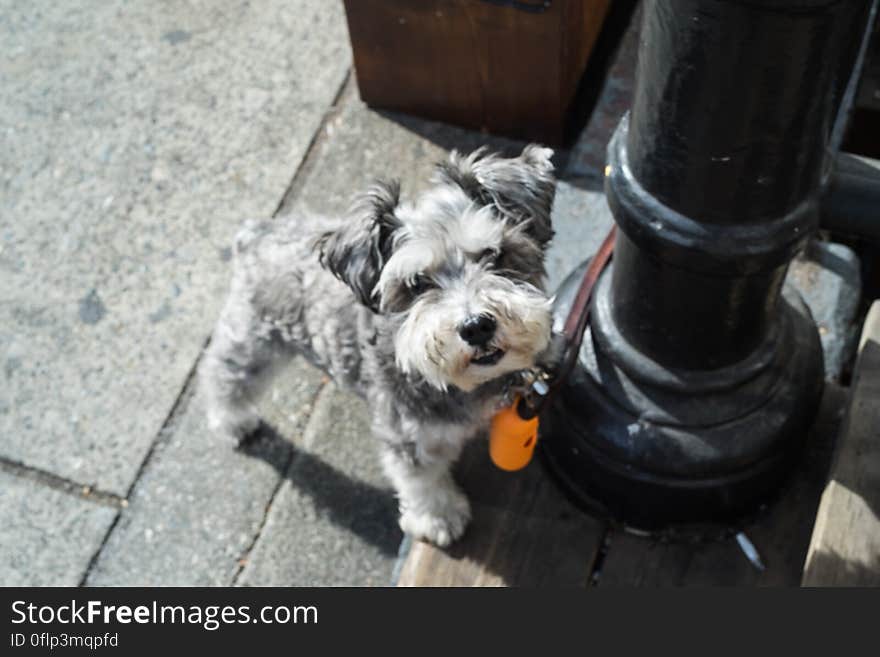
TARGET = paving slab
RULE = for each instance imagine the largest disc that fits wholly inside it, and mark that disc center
(357, 145)
(199, 504)
(581, 220)
(334, 521)
(47, 537)
(828, 276)
(134, 138)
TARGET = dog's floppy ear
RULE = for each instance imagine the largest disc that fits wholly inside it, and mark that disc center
(357, 252)
(521, 188)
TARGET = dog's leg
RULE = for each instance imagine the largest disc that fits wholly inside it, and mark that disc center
(432, 507)
(237, 365)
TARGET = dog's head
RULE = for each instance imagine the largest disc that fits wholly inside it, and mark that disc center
(460, 272)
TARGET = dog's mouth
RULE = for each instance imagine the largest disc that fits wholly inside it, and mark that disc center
(489, 358)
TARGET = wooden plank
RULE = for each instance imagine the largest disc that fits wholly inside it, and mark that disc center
(524, 533)
(845, 546)
(781, 534)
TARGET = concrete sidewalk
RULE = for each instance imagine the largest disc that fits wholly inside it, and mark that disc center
(132, 144)
(133, 141)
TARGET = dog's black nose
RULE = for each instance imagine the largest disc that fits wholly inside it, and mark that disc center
(477, 330)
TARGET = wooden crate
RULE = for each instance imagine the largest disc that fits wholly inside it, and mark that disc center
(509, 67)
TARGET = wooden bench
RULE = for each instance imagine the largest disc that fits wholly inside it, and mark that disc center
(845, 546)
(525, 533)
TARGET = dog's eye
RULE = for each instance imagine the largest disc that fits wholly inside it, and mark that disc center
(419, 284)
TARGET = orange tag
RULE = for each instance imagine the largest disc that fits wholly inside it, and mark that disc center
(511, 439)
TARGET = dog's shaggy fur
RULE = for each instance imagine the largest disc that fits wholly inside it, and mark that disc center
(425, 309)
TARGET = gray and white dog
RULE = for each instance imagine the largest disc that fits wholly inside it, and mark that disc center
(425, 308)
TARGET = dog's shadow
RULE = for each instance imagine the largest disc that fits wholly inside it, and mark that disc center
(523, 532)
(367, 511)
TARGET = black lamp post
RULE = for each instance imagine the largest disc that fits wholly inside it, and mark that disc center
(701, 370)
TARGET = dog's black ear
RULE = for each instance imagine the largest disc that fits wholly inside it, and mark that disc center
(521, 188)
(357, 252)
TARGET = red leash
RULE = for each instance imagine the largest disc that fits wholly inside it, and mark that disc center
(579, 315)
(575, 326)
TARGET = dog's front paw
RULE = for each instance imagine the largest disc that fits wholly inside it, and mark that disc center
(441, 522)
(235, 426)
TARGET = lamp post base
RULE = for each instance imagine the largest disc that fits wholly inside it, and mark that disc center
(656, 447)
